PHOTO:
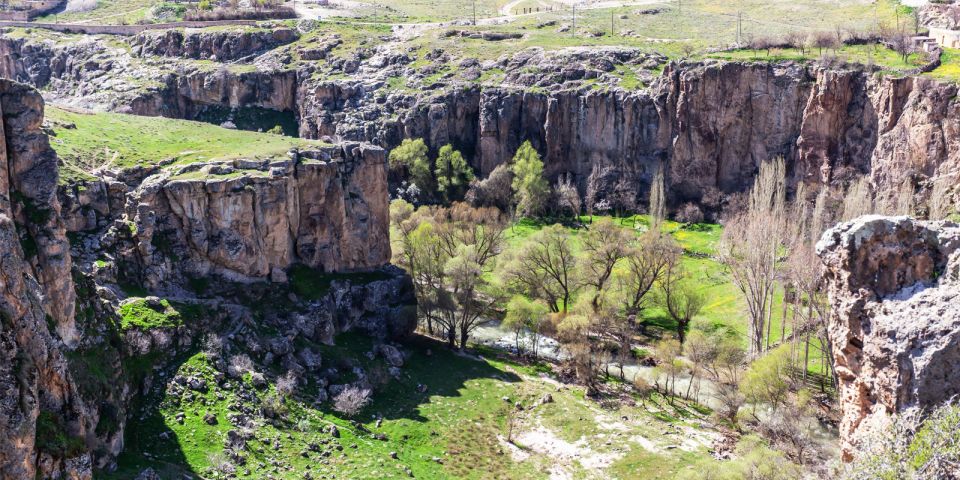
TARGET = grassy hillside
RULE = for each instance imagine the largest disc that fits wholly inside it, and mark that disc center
(88, 141)
(446, 416)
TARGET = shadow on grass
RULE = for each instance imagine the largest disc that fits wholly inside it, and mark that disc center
(148, 441)
(430, 370)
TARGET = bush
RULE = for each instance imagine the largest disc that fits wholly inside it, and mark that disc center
(52, 437)
(768, 378)
(239, 365)
(148, 313)
(690, 213)
(910, 447)
(351, 400)
(494, 191)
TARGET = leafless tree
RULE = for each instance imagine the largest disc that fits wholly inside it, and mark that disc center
(546, 268)
(645, 265)
(902, 43)
(351, 400)
(822, 40)
(604, 244)
(568, 198)
(494, 191)
(681, 301)
(751, 243)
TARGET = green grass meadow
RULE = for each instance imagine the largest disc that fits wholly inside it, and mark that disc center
(87, 141)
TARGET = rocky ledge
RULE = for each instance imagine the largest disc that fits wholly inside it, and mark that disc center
(894, 286)
(83, 337)
(217, 45)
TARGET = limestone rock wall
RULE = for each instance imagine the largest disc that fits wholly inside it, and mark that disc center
(249, 220)
(329, 212)
(894, 286)
(711, 124)
(36, 301)
(222, 45)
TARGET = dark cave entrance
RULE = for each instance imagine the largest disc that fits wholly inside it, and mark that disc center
(255, 119)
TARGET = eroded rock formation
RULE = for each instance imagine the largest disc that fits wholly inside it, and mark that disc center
(36, 305)
(710, 123)
(221, 45)
(894, 286)
(72, 366)
(325, 209)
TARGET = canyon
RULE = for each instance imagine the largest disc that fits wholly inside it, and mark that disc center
(77, 253)
(832, 124)
(322, 210)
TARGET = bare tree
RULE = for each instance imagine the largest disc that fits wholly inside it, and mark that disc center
(822, 40)
(645, 265)
(494, 191)
(351, 400)
(749, 248)
(568, 198)
(796, 40)
(681, 301)
(902, 43)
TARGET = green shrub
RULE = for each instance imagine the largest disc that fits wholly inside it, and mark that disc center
(145, 314)
(52, 437)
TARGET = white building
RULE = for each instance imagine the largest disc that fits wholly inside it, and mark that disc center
(945, 37)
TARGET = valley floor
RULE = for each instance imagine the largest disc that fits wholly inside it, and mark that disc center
(448, 415)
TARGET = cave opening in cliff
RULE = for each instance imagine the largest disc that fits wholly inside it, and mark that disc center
(256, 119)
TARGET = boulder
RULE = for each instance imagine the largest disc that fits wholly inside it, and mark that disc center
(894, 326)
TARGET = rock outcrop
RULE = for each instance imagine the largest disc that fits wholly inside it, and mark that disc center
(711, 124)
(220, 45)
(894, 286)
(42, 417)
(72, 363)
(601, 116)
(325, 209)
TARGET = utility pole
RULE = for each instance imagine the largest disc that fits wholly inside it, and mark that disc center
(611, 25)
(474, 13)
(573, 31)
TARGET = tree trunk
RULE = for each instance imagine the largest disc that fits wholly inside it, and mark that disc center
(783, 319)
(464, 335)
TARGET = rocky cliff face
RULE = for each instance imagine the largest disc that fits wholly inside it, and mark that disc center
(710, 123)
(41, 414)
(219, 45)
(72, 362)
(325, 209)
(894, 286)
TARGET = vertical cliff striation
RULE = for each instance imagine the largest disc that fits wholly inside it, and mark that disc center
(72, 363)
(894, 286)
(326, 209)
(709, 123)
(41, 414)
